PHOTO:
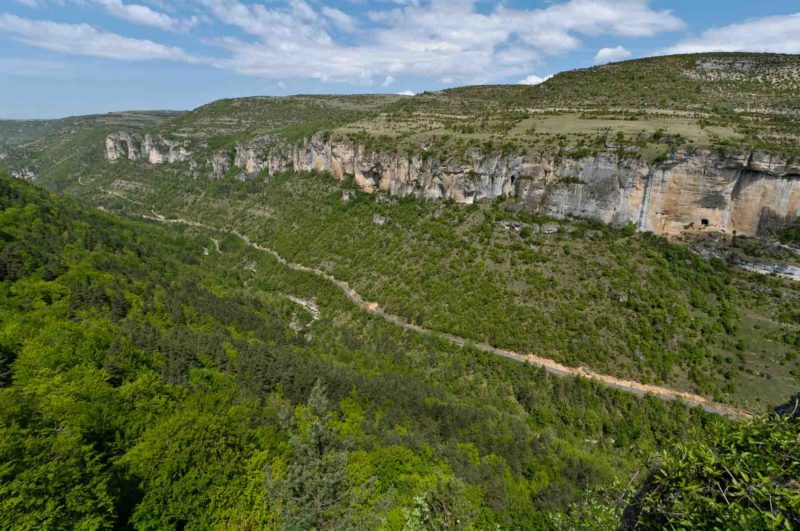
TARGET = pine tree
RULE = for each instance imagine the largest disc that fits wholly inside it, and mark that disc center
(314, 488)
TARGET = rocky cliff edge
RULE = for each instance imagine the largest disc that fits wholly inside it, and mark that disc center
(691, 190)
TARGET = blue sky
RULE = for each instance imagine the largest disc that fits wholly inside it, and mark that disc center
(66, 57)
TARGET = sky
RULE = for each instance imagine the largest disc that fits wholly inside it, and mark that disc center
(68, 57)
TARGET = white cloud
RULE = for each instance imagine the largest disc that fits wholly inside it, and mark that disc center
(135, 13)
(30, 3)
(778, 34)
(83, 39)
(607, 55)
(407, 93)
(457, 41)
(442, 39)
(340, 19)
(533, 79)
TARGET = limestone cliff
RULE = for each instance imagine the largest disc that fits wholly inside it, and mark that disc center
(693, 190)
(154, 149)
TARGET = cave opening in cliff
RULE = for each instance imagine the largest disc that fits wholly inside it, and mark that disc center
(704, 222)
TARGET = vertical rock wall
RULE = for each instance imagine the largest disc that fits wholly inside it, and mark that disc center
(694, 190)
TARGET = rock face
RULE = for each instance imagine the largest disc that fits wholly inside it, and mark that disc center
(154, 149)
(23, 174)
(220, 164)
(693, 190)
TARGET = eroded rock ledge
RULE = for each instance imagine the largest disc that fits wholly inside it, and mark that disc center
(154, 149)
(692, 190)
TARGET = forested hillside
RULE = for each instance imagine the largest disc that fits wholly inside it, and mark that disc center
(155, 377)
(580, 292)
(152, 379)
(193, 336)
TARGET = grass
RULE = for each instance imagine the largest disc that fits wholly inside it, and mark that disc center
(749, 98)
(293, 116)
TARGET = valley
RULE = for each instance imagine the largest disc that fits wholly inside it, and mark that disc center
(547, 364)
(435, 264)
(561, 306)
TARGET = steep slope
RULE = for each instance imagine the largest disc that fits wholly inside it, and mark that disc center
(625, 304)
(59, 150)
(689, 191)
(674, 145)
(651, 312)
(150, 376)
(547, 364)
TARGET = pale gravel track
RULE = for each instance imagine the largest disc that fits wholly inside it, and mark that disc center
(547, 364)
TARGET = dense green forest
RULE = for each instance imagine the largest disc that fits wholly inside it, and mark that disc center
(153, 378)
(624, 303)
(168, 376)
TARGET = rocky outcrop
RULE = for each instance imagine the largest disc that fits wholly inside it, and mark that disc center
(789, 271)
(693, 190)
(477, 176)
(154, 149)
(268, 153)
(23, 174)
(220, 164)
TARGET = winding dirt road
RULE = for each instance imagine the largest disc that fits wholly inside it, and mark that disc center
(549, 365)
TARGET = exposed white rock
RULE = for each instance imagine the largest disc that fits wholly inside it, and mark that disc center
(23, 174)
(549, 228)
(789, 271)
(220, 164)
(155, 149)
(694, 190)
(511, 225)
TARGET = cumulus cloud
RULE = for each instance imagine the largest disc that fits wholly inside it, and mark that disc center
(533, 79)
(83, 39)
(607, 55)
(441, 39)
(339, 18)
(407, 93)
(778, 34)
(454, 41)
